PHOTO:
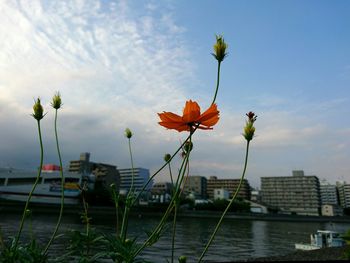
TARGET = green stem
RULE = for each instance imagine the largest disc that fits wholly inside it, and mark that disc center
(170, 207)
(228, 206)
(171, 175)
(174, 232)
(129, 199)
(62, 189)
(87, 220)
(116, 204)
(176, 203)
(162, 167)
(132, 169)
(33, 188)
(217, 82)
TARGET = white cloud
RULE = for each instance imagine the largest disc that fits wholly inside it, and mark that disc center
(116, 66)
(112, 68)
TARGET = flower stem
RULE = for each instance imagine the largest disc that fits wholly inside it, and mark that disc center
(129, 199)
(171, 175)
(62, 189)
(170, 207)
(165, 164)
(116, 205)
(217, 82)
(33, 188)
(174, 232)
(228, 206)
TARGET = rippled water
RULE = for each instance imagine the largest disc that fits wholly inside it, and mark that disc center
(236, 240)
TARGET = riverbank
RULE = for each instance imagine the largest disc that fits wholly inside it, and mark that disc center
(142, 211)
(330, 254)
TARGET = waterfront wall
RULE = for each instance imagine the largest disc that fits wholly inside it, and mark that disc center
(108, 211)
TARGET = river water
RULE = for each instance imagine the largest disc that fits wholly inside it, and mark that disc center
(236, 239)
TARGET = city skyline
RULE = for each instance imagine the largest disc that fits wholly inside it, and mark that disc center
(117, 64)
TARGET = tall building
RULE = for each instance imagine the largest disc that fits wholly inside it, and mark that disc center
(230, 185)
(141, 176)
(99, 173)
(344, 194)
(196, 185)
(296, 194)
(329, 194)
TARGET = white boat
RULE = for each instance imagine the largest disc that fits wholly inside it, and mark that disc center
(16, 184)
(322, 239)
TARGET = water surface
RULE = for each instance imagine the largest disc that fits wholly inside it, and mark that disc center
(236, 240)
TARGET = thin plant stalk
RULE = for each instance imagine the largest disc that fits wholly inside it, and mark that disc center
(171, 175)
(116, 205)
(217, 82)
(176, 206)
(174, 231)
(162, 167)
(170, 207)
(85, 216)
(62, 189)
(33, 188)
(129, 199)
(227, 207)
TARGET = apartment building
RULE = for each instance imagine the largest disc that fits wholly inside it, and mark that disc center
(230, 185)
(141, 177)
(296, 194)
(329, 193)
(196, 186)
(344, 194)
(99, 173)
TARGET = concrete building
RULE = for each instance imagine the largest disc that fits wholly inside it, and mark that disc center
(100, 173)
(255, 196)
(141, 177)
(161, 192)
(221, 194)
(329, 194)
(332, 210)
(297, 194)
(230, 185)
(196, 186)
(344, 194)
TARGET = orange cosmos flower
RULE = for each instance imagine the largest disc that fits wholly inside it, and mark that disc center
(191, 118)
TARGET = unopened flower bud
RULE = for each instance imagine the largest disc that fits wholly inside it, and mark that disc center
(167, 157)
(128, 242)
(251, 116)
(188, 146)
(56, 101)
(38, 110)
(128, 133)
(220, 48)
(182, 259)
(28, 212)
(249, 128)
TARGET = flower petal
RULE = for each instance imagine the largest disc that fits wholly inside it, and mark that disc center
(172, 121)
(210, 117)
(170, 117)
(175, 126)
(191, 111)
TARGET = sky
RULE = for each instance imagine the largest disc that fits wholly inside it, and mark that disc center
(117, 64)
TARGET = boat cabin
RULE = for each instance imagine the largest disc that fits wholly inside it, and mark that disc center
(326, 238)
